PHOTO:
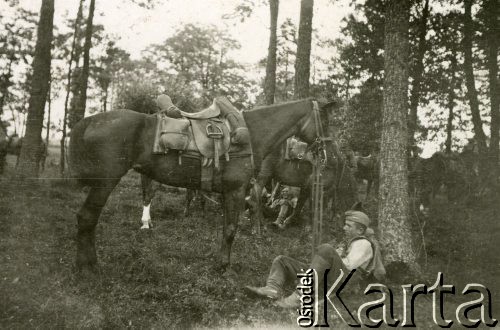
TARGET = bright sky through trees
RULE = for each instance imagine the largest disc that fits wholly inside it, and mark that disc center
(138, 27)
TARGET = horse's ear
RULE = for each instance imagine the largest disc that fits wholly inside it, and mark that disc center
(358, 206)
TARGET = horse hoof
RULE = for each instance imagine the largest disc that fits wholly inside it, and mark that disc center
(145, 227)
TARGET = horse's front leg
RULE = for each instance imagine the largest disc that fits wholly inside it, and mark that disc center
(147, 196)
(234, 202)
(87, 217)
(305, 193)
(258, 214)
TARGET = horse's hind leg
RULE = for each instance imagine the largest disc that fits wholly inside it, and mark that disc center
(87, 217)
(147, 197)
(234, 202)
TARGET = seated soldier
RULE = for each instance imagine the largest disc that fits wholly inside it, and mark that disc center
(361, 253)
(285, 204)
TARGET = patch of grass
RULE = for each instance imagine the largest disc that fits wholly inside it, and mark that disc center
(165, 277)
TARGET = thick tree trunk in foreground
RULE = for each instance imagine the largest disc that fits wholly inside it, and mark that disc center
(270, 81)
(30, 151)
(81, 101)
(417, 74)
(394, 222)
(303, 63)
(491, 8)
(471, 87)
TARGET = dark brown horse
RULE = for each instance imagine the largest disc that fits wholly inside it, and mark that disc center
(337, 177)
(105, 146)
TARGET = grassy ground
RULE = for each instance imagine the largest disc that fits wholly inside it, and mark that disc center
(165, 277)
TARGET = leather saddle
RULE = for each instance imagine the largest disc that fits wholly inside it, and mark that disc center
(211, 137)
(201, 132)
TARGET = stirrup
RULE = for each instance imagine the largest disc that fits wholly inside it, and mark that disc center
(214, 131)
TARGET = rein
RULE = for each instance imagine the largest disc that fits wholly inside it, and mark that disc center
(317, 192)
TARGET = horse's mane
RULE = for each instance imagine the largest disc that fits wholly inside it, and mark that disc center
(277, 105)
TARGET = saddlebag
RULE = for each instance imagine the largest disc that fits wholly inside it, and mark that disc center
(171, 133)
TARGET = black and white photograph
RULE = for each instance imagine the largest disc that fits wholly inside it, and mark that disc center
(249, 164)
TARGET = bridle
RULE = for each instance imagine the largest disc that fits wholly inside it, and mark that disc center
(318, 146)
(318, 149)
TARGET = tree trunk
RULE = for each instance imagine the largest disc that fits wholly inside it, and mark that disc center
(105, 100)
(111, 98)
(347, 86)
(480, 137)
(23, 127)
(270, 81)
(451, 104)
(5, 84)
(49, 110)
(76, 72)
(393, 217)
(417, 75)
(82, 95)
(491, 8)
(16, 120)
(285, 94)
(73, 55)
(303, 62)
(30, 150)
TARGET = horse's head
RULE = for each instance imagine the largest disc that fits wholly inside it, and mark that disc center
(270, 126)
(314, 125)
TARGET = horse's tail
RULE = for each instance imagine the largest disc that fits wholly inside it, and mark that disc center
(78, 160)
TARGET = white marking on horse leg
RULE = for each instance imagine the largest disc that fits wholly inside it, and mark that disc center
(146, 217)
